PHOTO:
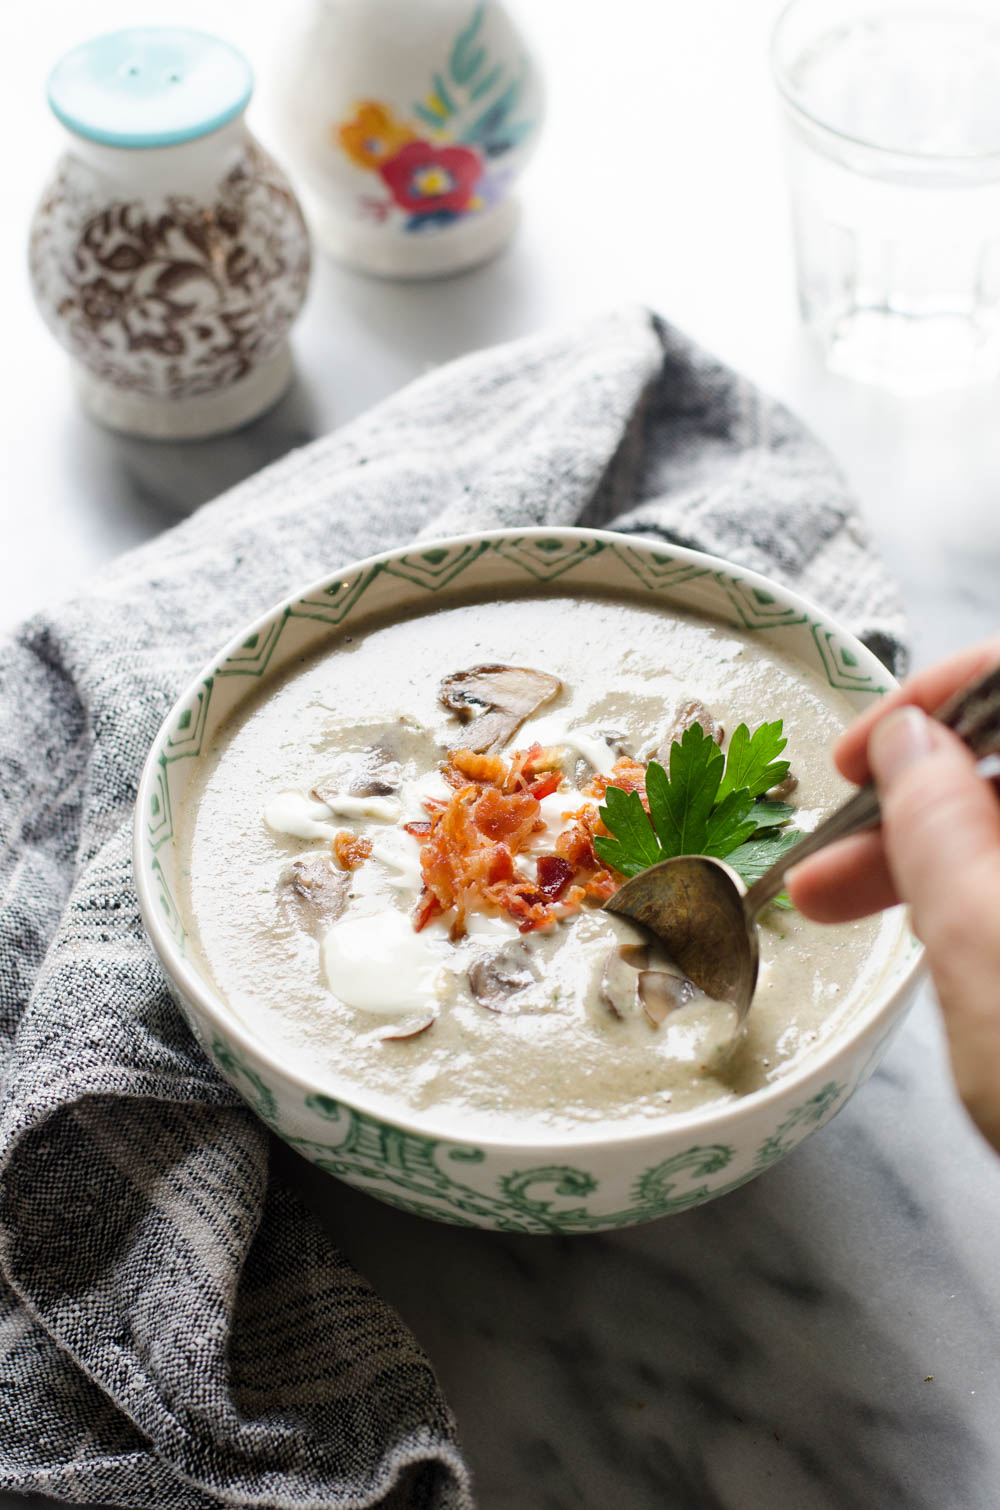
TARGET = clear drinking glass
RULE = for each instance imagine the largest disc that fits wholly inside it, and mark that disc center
(893, 114)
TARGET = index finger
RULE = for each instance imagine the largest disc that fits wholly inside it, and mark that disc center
(928, 690)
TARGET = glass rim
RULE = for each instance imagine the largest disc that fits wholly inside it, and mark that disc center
(780, 75)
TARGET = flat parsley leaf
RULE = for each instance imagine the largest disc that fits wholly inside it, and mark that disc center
(710, 804)
(681, 806)
(752, 859)
(731, 823)
(636, 846)
(772, 814)
(750, 760)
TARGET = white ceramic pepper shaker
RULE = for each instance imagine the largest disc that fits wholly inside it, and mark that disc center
(408, 122)
(169, 254)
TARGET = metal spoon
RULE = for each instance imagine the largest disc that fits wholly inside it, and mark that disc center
(706, 916)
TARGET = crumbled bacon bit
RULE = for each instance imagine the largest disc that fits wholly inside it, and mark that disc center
(554, 875)
(470, 843)
(576, 845)
(628, 774)
(602, 885)
(546, 785)
(427, 908)
(536, 771)
(511, 817)
(465, 766)
(350, 850)
(534, 768)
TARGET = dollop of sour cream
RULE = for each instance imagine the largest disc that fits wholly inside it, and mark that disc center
(304, 817)
(553, 810)
(378, 964)
(399, 854)
(595, 750)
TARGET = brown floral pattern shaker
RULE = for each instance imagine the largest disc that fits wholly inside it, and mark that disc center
(168, 255)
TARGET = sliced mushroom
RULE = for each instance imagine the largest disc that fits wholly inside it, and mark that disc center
(499, 699)
(378, 773)
(616, 741)
(687, 715)
(495, 978)
(411, 1026)
(317, 890)
(374, 772)
(662, 993)
(783, 790)
(620, 979)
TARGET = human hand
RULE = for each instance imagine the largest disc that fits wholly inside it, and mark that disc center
(938, 849)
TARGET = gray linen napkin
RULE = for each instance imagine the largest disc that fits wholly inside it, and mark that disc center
(174, 1331)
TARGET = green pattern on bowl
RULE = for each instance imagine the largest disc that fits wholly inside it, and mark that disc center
(406, 1169)
(586, 1184)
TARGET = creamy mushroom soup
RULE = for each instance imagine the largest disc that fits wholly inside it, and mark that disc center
(484, 982)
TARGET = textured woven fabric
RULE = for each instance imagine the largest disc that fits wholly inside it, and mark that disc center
(174, 1331)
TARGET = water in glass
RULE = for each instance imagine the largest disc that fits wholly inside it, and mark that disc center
(894, 139)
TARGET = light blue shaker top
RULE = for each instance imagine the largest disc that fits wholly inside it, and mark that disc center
(150, 86)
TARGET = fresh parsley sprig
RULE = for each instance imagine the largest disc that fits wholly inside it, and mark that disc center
(709, 804)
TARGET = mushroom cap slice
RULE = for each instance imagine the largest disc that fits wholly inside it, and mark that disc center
(618, 743)
(372, 772)
(495, 978)
(620, 979)
(317, 888)
(378, 773)
(411, 1026)
(499, 698)
(662, 993)
(687, 715)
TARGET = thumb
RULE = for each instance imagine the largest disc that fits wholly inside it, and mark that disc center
(940, 819)
(941, 835)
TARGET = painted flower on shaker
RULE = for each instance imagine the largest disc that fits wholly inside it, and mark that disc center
(427, 180)
(443, 167)
(373, 136)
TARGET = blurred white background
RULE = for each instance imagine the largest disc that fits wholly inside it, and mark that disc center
(659, 178)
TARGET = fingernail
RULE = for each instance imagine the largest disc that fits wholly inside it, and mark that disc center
(896, 741)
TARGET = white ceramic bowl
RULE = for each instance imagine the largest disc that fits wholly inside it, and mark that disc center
(536, 1184)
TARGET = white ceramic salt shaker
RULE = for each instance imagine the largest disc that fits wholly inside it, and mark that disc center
(408, 122)
(169, 254)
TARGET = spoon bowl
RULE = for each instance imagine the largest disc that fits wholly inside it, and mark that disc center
(707, 919)
(695, 905)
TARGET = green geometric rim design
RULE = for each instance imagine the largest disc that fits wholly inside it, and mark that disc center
(254, 655)
(657, 569)
(171, 914)
(757, 609)
(184, 741)
(841, 664)
(332, 604)
(544, 559)
(435, 568)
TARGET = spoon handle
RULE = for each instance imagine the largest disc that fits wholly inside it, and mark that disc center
(858, 813)
(973, 712)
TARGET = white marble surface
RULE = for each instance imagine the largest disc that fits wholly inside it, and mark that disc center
(829, 1336)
